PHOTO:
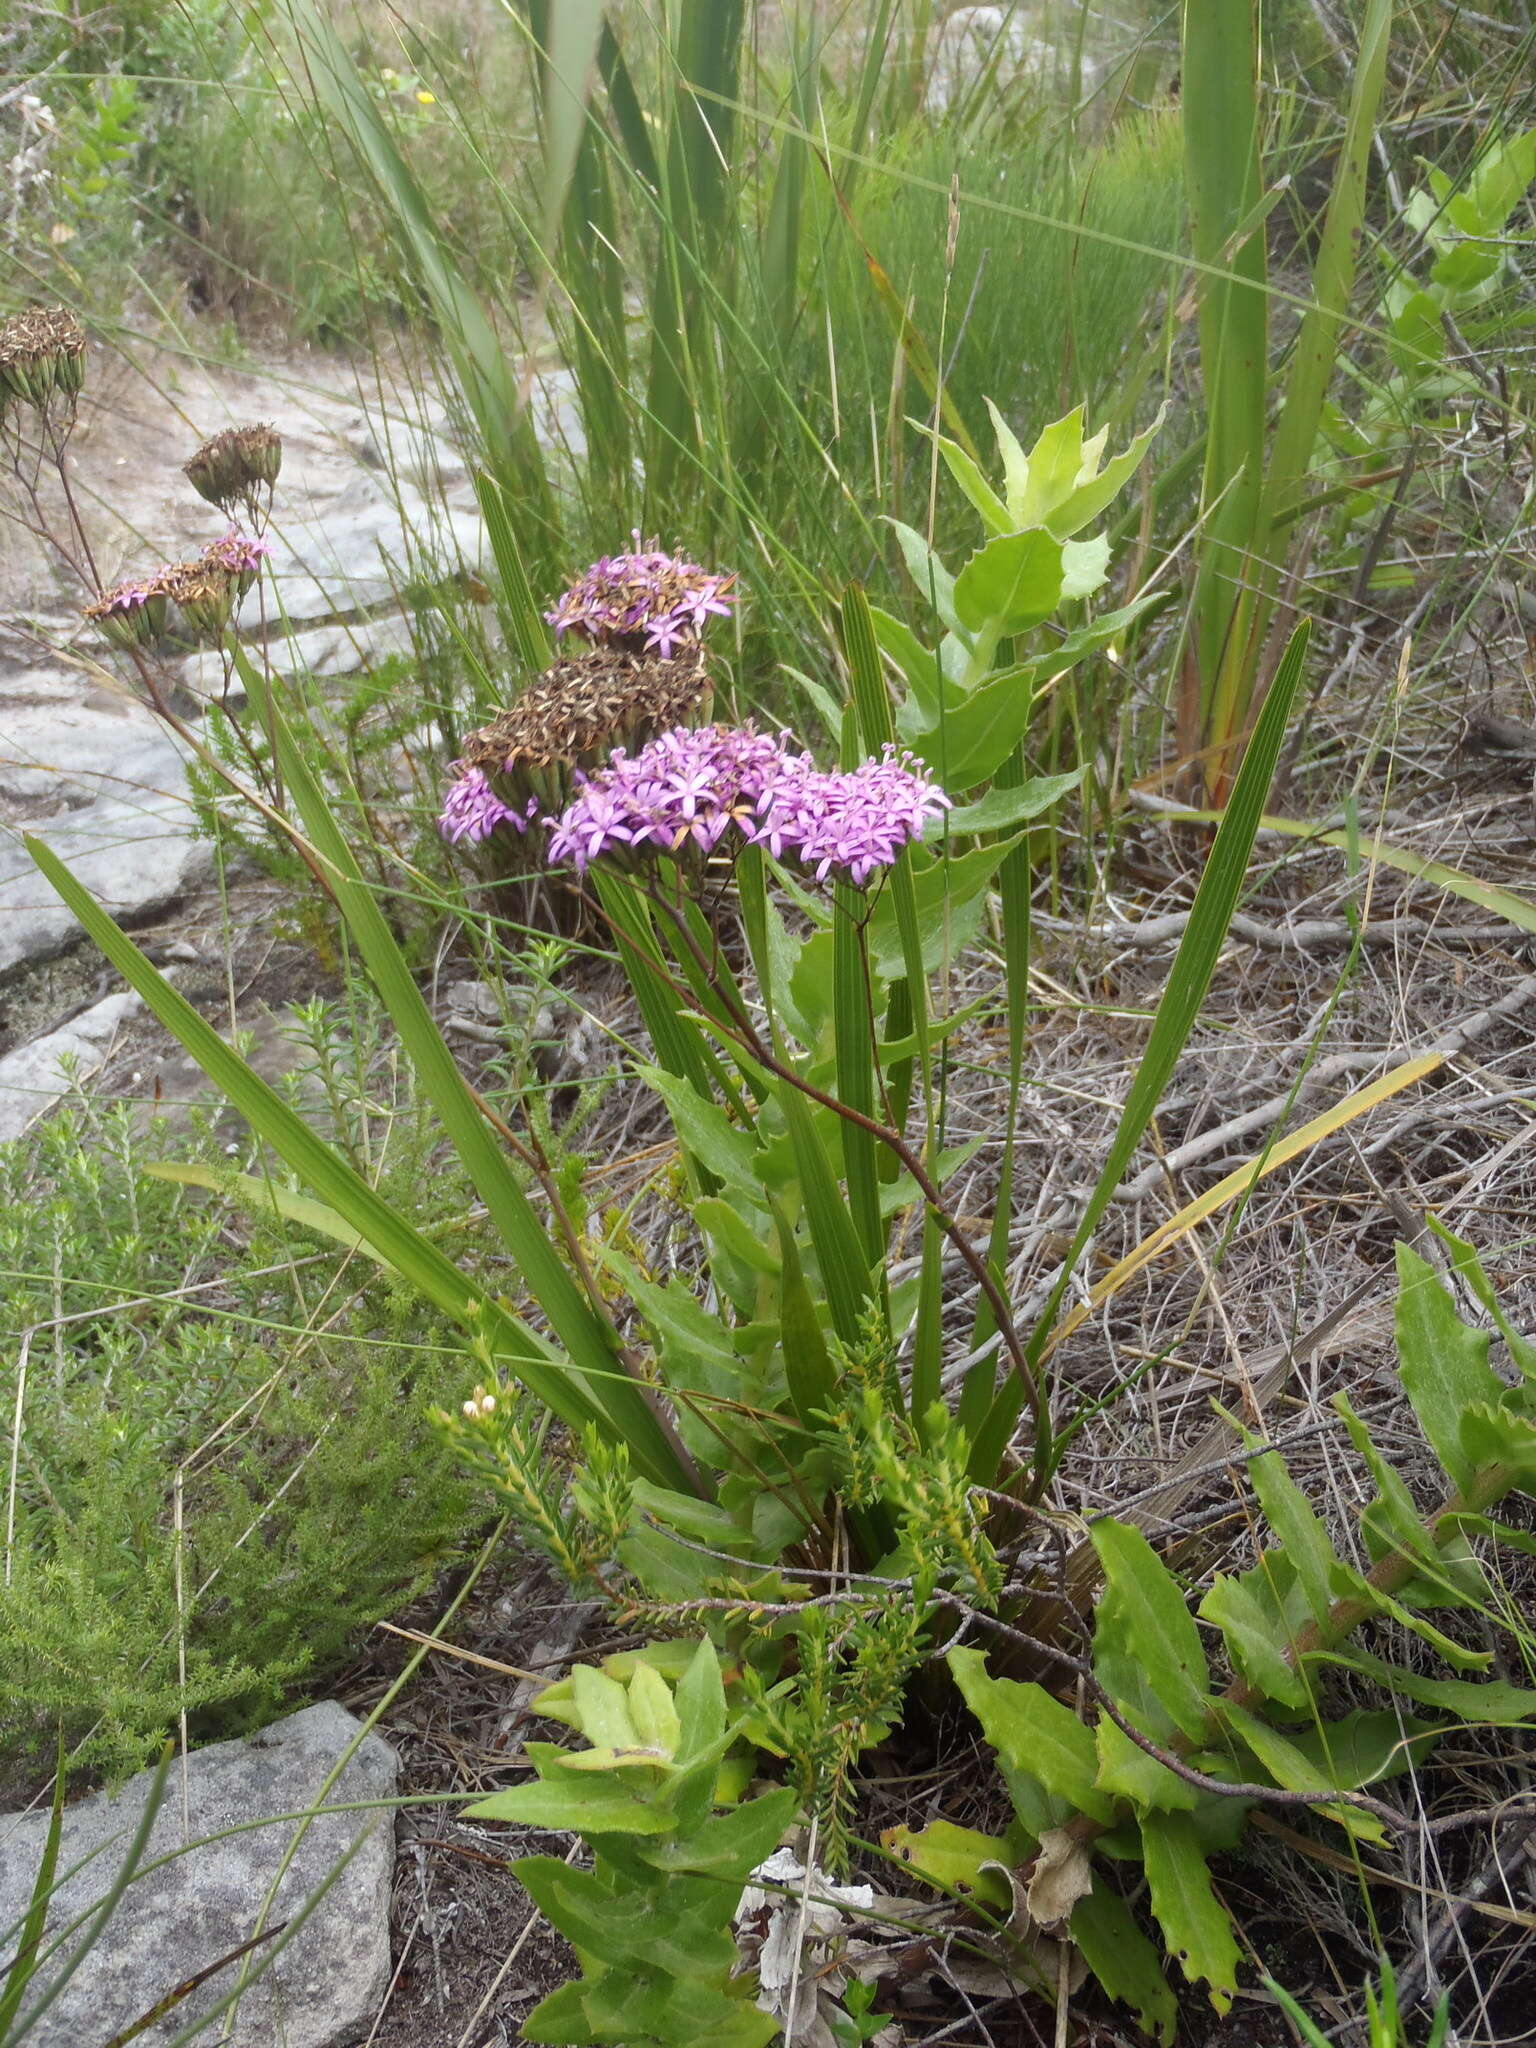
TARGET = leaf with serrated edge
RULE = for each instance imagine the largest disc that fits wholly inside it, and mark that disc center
(1124, 1961)
(1033, 1733)
(1443, 1362)
(1146, 1643)
(1194, 1922)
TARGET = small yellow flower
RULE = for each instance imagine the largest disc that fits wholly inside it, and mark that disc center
(426, 99)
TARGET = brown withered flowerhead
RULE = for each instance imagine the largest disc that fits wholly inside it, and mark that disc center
(238, 468)
(42, 358)
(523, 764)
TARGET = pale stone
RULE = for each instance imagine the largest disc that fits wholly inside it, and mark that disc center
(321, 1989)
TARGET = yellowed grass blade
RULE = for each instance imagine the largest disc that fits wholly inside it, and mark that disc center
(1241, 1179)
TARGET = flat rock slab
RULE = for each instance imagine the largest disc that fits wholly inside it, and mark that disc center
(35, 1076)
(323, 1987)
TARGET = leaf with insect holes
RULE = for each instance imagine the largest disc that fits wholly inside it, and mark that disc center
(1195, 1924)
(956, 1859)
(1124, 1961)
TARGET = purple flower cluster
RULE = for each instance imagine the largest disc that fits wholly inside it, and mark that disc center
(472, 810)
(237, 553)
(658, 599)
(855, 820)
(689, 786)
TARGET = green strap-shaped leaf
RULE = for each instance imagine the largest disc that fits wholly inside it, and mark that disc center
(1195, 1923)
(591, 1344)
(413, 1256)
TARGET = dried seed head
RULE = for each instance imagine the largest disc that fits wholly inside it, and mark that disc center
(569, 719)
(203, 592)
(42, 355)
(237, 468)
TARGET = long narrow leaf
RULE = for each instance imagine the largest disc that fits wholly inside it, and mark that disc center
(408, 1253)
(1215, 900)
(591, 1344)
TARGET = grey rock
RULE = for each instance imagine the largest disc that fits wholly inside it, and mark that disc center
(34, 1077)
(322, 1988)
(135, 853)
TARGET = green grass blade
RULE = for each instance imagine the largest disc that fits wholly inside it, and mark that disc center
(567, 36)
(1217, 897)
(23, 1964)
(485, 380)
(1220, 111)
(322, 1168)
(521, 615)
(590, 1342)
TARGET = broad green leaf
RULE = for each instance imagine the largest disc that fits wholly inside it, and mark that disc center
(1034, 1736)
(1126, 1771)
(729, 1844)
(1443, 1363)
(1486, 1703)
(1011, 584)
(1002, 808)
(1019, 468)
(1124, 1961)
(1293, 1769)
(934, 583)
(1146, 1644)
(956, 1859)
(267, 1194)
(1391, 1523)
(1467, 1263)
(1302, 1536)
(740, 1234)
(651, 1709)
(1194, 1921)
(966, 471)
(700, 1701)
(1093, 493)
(950, 893)
(1496, 1442)
(602, 1709)
(1256, 1636)
(1084, 566)
(574, 1805)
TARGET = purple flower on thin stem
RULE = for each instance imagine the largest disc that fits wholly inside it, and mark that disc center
(473, 811)
(238, 553)
(695, 787)
(657, 599)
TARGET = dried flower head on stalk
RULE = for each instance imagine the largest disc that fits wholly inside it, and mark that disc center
(523, 763)
(205, 592)
(130, 614)
(42, 357)
(238, 470)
